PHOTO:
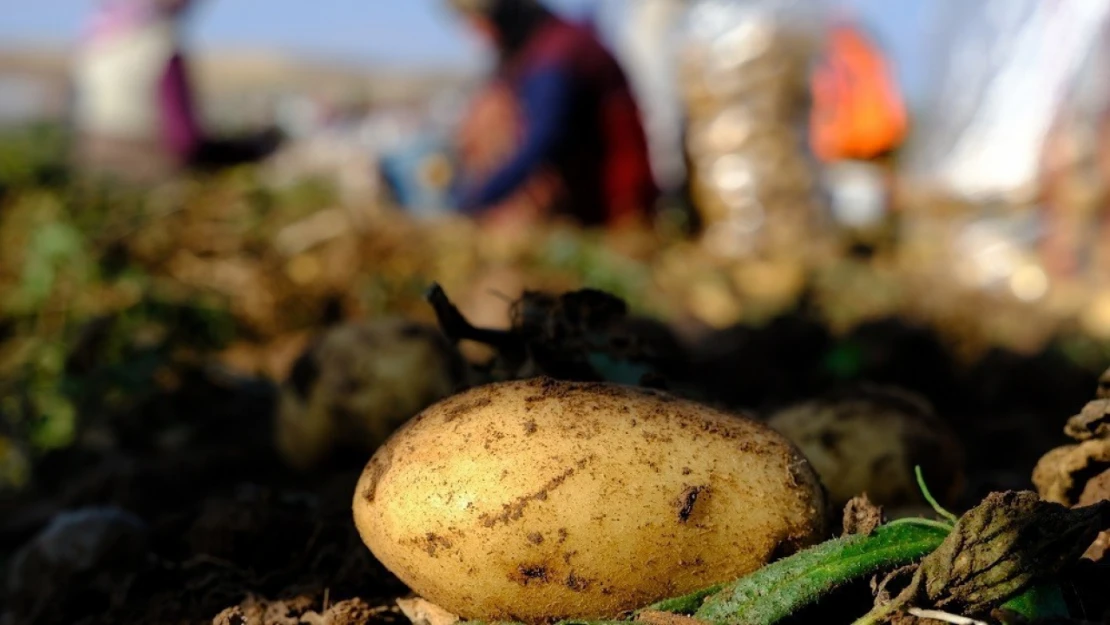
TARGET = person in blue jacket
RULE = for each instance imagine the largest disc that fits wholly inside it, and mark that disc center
(580, 119)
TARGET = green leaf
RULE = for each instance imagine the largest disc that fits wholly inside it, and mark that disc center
(59, 422)
(53, 246)
(1039, 602)
(15, 466)
(782, 588)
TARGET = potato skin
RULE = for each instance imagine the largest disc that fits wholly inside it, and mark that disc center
(868, 440)
(358, 383)
(540, 499)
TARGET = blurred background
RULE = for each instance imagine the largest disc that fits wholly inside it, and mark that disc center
(805, 192)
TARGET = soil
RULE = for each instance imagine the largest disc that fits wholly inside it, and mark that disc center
(231, 536)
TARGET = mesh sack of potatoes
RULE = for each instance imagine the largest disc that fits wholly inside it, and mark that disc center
(1076, 191)
(743, 74)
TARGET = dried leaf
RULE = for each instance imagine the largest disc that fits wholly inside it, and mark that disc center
(585, 335)
(880, 584)
(1002, 547)
(1093, 421)
(1103, 391)
(861, 516)
(1062, 474)
(1095, 490)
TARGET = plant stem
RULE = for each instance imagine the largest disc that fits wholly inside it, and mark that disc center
(940, 525)
(782, 588)
(952, 518)
(876, 615)
(686, 604)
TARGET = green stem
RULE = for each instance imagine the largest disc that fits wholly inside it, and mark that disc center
(944, 526)
(686, 604)
(878, 614)
(782, 588)
(929, 497)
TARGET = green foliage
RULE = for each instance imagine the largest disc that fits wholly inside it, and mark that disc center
(599, 267)
(781, 588)
(1044, 601)
(686, 604)
(56, 384)
(54, 248)
(32, 157)
(58, 277)
(15, 466)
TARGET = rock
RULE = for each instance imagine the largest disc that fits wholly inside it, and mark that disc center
(83, 560)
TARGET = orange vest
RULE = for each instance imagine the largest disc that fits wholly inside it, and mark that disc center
(858, 112)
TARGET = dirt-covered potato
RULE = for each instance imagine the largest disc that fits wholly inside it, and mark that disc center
(541, 499)
(358, 383)
(868, 440)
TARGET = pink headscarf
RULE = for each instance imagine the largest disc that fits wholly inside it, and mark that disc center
(116, 17)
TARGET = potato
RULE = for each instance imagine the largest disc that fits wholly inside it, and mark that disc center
(540, 499)
(358, 383)
(868, 440)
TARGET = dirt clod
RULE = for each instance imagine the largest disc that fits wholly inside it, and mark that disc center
(687, 500)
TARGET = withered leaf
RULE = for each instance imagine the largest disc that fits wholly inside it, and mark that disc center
(1103, 391)
(1003, 546)
(586, 335)
(1061, 475)
(1093, 421)
(861, 516)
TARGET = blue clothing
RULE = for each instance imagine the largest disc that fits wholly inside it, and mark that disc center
(545, 97)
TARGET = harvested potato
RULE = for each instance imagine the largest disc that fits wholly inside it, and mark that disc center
(358, 383)
(868, 440)
(542, 499)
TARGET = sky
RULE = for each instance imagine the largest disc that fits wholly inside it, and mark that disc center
(416, 32)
